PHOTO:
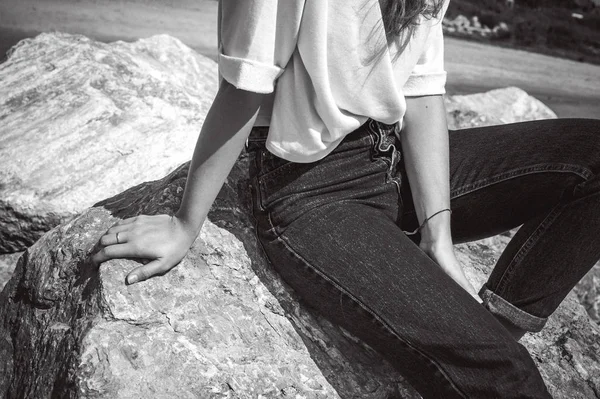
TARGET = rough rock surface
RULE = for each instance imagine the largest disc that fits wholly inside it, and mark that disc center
(494, 107)
(8, 262)
(220, 325)
(588, 292)
(81, 120)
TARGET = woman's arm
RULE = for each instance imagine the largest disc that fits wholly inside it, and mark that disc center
(424, 141)
(163, 239)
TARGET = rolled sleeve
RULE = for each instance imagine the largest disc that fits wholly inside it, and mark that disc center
(248, 74)
(256, 41)
(429, 76)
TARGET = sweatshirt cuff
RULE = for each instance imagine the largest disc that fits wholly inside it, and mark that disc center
(248, 74)
(425, 84)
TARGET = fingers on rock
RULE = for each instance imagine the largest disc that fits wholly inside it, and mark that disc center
(151, 269)
(110, 252)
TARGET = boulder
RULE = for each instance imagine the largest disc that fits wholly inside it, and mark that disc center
(494, 107)
(83, 120)
(221, 324)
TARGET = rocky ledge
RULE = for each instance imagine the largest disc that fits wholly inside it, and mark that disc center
(221, 324)
(83, 120)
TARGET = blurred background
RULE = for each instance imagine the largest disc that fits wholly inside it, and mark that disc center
(550, 48)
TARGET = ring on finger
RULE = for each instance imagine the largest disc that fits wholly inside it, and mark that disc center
(118, 242)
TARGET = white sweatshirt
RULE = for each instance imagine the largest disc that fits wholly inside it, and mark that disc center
(316, 57)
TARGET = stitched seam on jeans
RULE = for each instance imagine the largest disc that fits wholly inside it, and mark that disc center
(259, 196)
(362, 305)
(541, 168)
(527, 245)
(257, 186)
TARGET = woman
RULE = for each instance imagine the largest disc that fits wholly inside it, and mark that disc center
(339, 102)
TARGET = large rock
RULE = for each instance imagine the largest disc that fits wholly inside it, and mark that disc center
(82, 120)
(221, 324)
(494, 107)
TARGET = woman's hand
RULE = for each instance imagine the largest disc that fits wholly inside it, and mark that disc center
(163, 240)
(442, 253)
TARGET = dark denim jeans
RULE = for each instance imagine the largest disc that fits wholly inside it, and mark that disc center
(334, 231)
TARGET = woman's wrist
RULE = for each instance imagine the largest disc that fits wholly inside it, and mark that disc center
(435, 232)
(190, 227)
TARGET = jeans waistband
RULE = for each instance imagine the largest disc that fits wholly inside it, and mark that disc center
(258, 136)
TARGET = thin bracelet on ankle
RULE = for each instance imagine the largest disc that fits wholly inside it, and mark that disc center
(418, 229)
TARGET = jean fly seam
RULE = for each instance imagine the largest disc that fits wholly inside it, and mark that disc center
(526, 247)
(540, 168)
(324, 276)
(256, 183)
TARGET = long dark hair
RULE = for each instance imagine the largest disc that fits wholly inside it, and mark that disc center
(400, 17)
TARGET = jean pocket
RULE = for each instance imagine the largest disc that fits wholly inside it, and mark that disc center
(279, 179)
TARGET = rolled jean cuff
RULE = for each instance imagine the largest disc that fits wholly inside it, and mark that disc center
(501, 308)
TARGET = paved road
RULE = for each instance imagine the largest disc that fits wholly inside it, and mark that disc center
(570, 88)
